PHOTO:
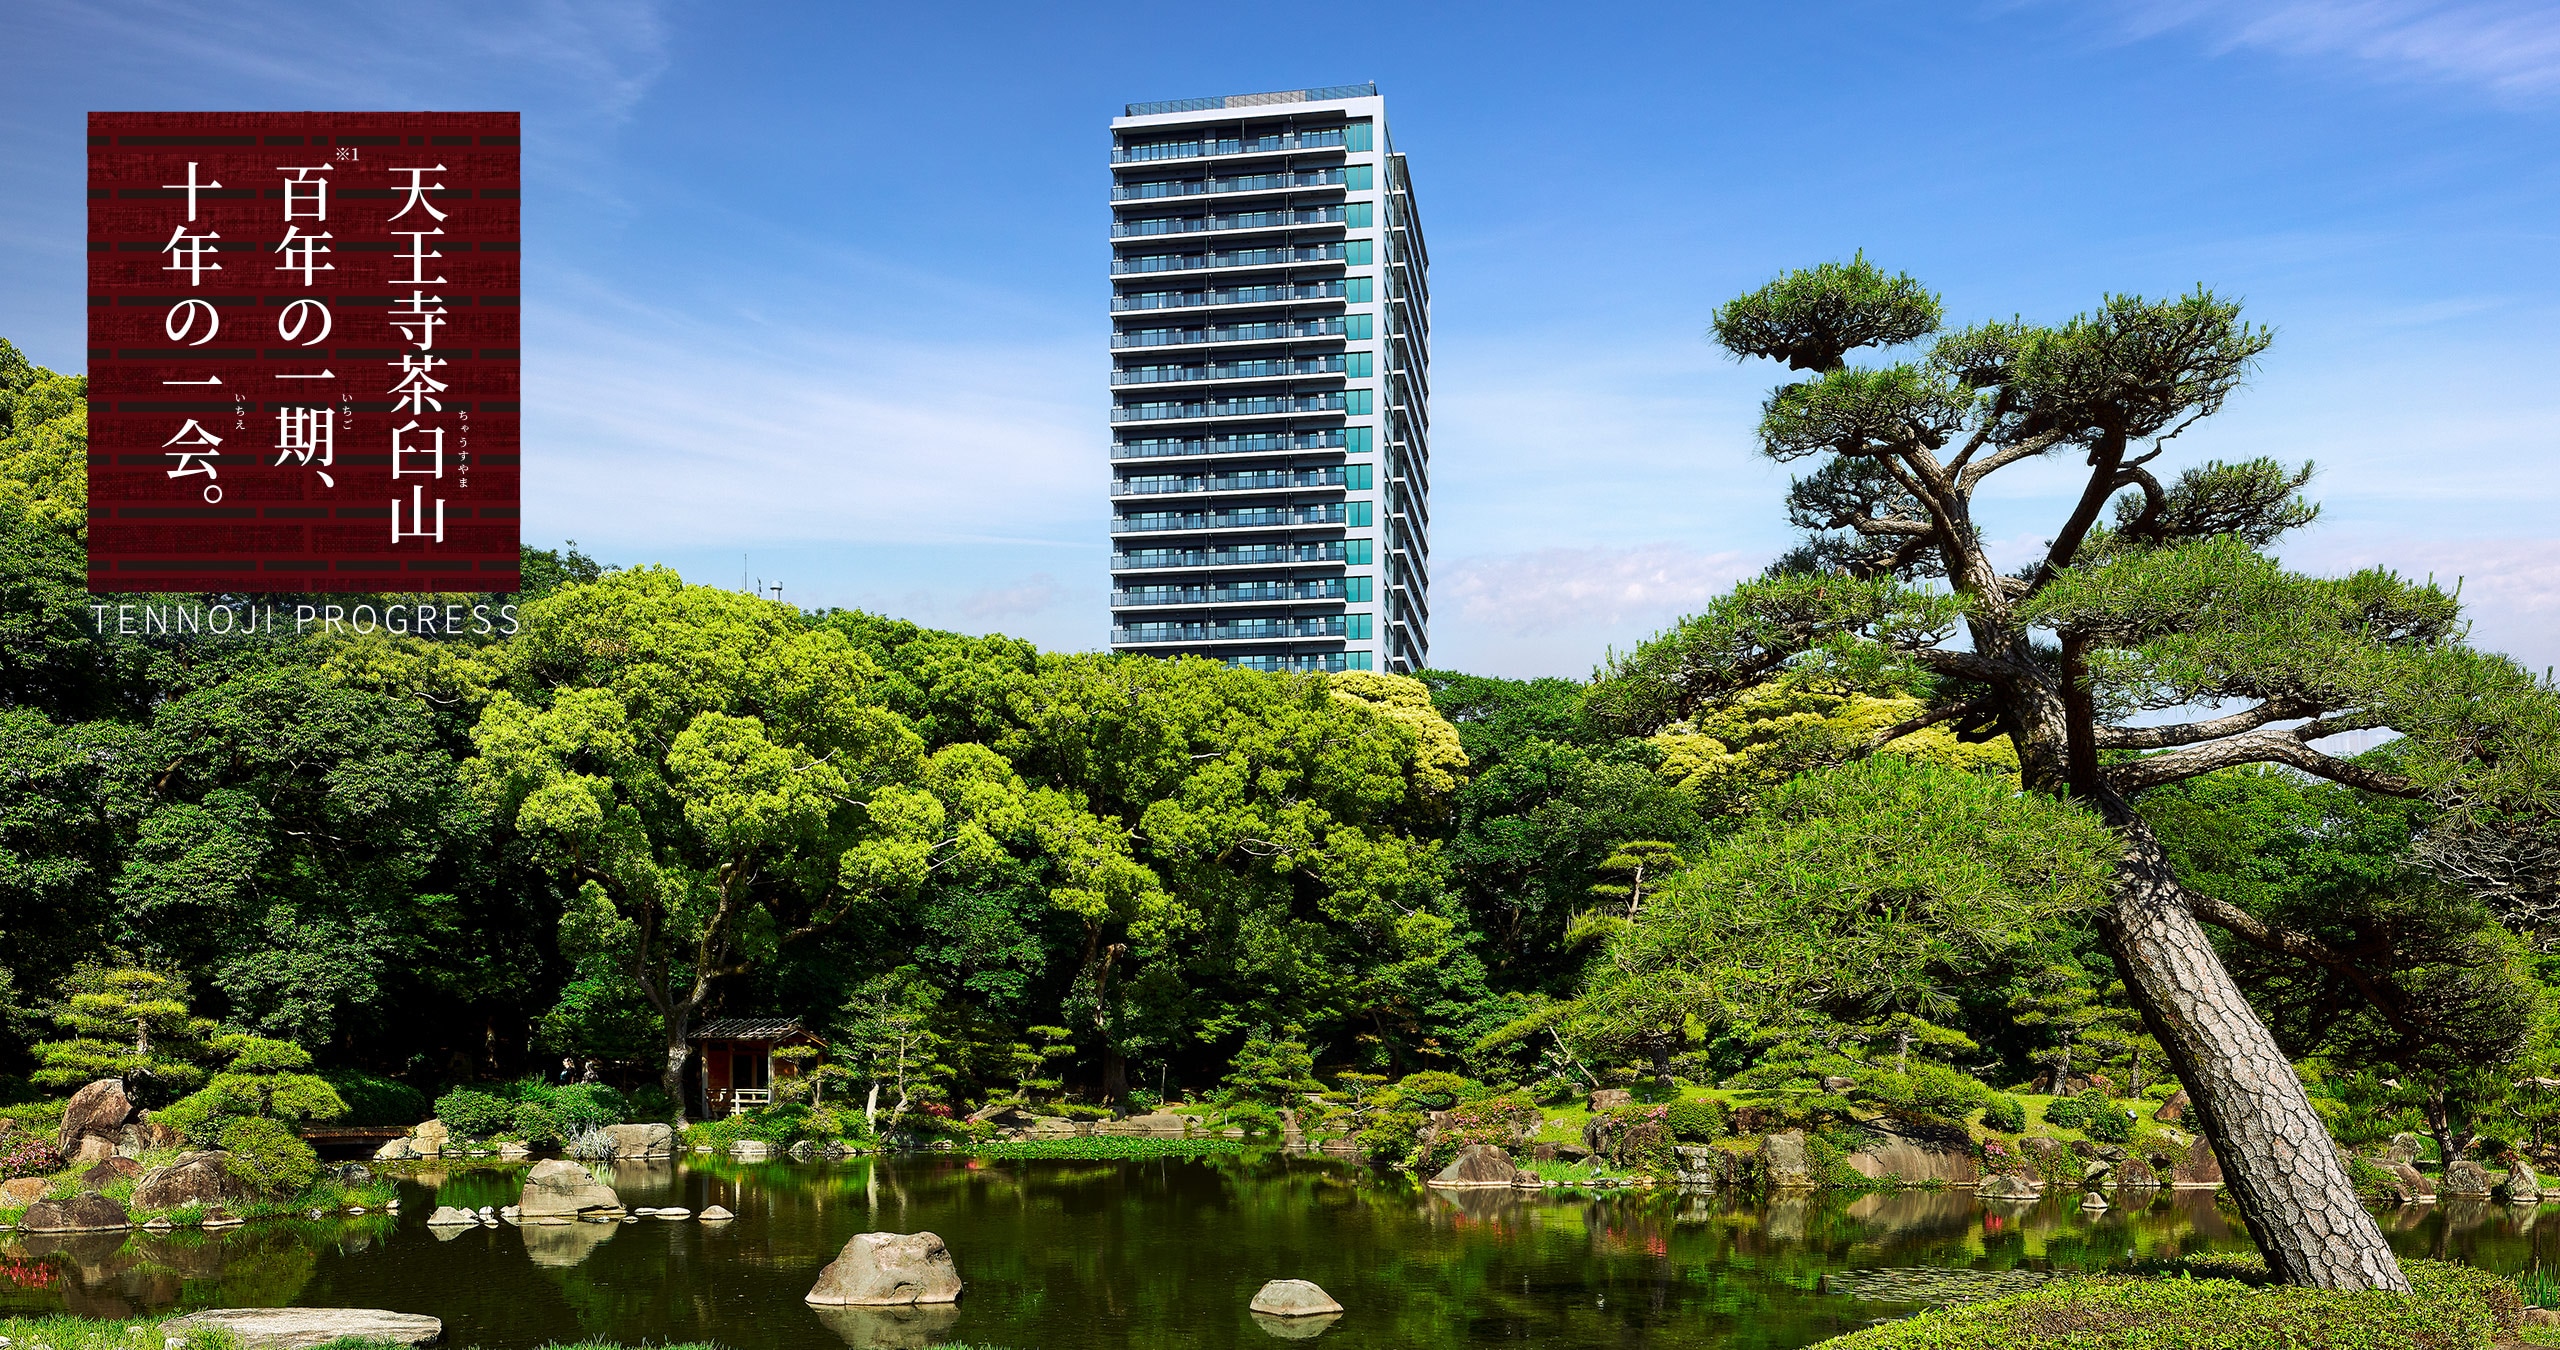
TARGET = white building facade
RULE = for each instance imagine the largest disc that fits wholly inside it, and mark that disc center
(1270, 356)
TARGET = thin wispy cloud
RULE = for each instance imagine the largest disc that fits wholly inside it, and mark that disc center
(2509, 47)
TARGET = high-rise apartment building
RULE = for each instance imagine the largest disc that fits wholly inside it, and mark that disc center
(1270, 352)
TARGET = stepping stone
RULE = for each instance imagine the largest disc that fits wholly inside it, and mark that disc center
(302, 1328)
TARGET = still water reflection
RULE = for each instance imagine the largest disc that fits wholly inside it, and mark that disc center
(1161, 1254)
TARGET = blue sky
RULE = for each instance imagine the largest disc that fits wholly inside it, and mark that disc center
(823, 284)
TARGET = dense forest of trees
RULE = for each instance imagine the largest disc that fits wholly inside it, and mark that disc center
(1806, 839)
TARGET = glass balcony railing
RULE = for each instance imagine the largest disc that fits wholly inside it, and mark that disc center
(1230, 593)
(1271, 294)
(1268, 368)
(1329, 662)
(1232, 555)
(1243, 182)
(1233, 257)
(1229, 220)
(1230, 630)
(1249, 480)
(1277, 331)
(1250, 443)
(1237, 518)
(1277, 405)
(1200, 146)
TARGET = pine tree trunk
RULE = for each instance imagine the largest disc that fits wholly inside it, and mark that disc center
(2276, 1157)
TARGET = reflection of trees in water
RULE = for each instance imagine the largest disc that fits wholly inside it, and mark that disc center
(130, 1274)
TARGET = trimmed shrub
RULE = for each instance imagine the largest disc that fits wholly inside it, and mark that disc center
(2449, 1307)
(268, 1155)
(1436, 1091)
(537, 1123)
(1696, 1122)
(1637, 1138)
(472, 1114)
(586, 1105)
(2066, 1113)
(2005, 1113)
(2103, 1120)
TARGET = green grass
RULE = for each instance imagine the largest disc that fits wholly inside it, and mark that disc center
(1104, 1148)
(2450, 1308)
(1569, 1172)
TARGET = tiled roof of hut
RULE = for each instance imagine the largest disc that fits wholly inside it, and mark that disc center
(747, 1029)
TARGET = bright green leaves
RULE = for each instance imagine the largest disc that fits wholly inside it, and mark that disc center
(2256, 501)
(744, 794)
(1856, 631)
(1813, 317)
(2132, 369)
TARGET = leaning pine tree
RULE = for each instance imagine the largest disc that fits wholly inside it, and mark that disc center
(2155, 595)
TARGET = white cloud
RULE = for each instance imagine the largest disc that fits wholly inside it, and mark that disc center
(2509, 47)
(2510, 587)
(1556, 611)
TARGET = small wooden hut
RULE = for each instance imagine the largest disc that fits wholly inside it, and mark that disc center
(737, 1064)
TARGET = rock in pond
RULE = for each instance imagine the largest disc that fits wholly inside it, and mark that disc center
(87, 1212)
(1916, 1155)
(2467, 1178)
(429, 1138)
(448, 1215)
(2197, 1167)
(2521, 1187)
(2413, 1186)
(1783, 1163)
(299, 1328)
(395, 1150)
(877, 1270)
(1293, 1298)
(192, 1179)
(716, 1214)
(673, 1212)
(559, 1189)
(1478, 1165)
(2005, 1186)
(643, 1141)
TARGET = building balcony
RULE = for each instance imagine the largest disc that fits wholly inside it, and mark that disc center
(1277, 330)
(1233, 518)
(1210, 147)
(1227, 555)
(1231, 593)
(1267, 293)
(1240, 443)
(1268, 368)
(1328, 662)
(1236, 183)
(1278, 405)
(1233, 257)
(1278, 218)
(1247, 480)
(1229, 630)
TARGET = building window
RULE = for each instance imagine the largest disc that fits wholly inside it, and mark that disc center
(1355, 440)
(1355, 215)
(1356, 402)
(1359, 177)
(1357, 514)
(1356, 365)
(1355, 660)
(1356, 590)
(1356, 627)
(1356, 136)
(1357, 253)
(1357, 477)
(1356, 327)
(1358, 552)
(1358, 290)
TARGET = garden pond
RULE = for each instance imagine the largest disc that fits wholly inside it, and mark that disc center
(1165, 1253)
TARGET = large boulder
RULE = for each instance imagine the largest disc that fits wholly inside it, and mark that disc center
(557, 1189)
(191, 1179)
(2136, 1174)
(2005, 1186)
(396, 1150)
(643, 1141)
(448, 1216)
(1602, 1099)
(2411, 1185)
(1783, 1163)
(300, 1328)
(878, 1270)
(1478, 1165)
(2403, 1148)
(2173, 1110)
(2466, 1178)
(1159, 1122)
(2197, 1167)
(2521, 1187)
(1916, 1155)
(1293, 1298)
(429, 1138)
(87, 1212)
(1702, 1167)
(107, 1170)
(23, 1191)
(99, 1112)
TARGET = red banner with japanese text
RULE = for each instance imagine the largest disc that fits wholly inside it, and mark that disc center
(303, 351)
